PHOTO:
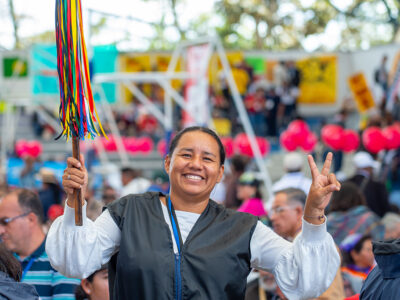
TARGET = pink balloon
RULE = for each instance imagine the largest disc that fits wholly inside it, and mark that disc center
(264, 145)
(287, 141)
(332, 136)
(228, 145)
(131, 144)
(392, 136)
(109, 144)
(373, 139)
(309, 142)
(396, 125)
(351, 140)
(34, 148)
(242, 144)
(145, 144)
(21, 148)
(298, 129)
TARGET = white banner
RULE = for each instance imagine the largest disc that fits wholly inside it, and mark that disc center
(196, 89)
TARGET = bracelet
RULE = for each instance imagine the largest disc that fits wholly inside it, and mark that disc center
(319, 218)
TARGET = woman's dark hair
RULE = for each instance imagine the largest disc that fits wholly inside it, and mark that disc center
(258, 194)
(9, 264)
(178, 136)
(347, 258)
(80, 294)
(348, 197)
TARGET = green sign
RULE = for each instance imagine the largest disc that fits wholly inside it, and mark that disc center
(257, 63)
(15, 67)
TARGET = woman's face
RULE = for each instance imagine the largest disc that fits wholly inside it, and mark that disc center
(194, 167)
(364, 258)
(245, 191)
(98, 288)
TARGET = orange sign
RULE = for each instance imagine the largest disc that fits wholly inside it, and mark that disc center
(360, 90)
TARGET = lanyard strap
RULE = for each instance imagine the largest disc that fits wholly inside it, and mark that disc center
(175, 225)
(28, 266)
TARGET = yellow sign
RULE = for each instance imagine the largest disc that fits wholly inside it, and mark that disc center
(362, 94)
(147, 63)
(318, 80)
(222, 126)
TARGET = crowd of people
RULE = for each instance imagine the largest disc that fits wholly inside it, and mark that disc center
(362, 217)
(359, 214)
(269, 104)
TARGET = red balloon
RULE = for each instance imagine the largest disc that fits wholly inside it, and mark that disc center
(228, 145)
(21, 148)
(298, 129)
(309, 142)
(130, 144)
(263, 145)
(332, 136)
(351, 140)
(34, 148)
(392, 136)
(373, 139)
(396, 125)
(242, 144)
(145, 144)
(162, 147)
(287, 141)
(54, 211)
(109, 144)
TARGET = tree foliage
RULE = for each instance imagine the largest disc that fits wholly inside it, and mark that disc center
(285, 24)
(263, 24)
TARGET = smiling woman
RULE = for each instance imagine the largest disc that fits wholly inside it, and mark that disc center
(195, 164)
(186, 246)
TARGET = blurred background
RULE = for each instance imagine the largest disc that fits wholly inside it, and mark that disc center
(271, 77)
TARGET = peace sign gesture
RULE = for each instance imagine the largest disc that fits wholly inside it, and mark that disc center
(322, 186)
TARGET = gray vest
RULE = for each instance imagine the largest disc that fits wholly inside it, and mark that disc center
(215, 258)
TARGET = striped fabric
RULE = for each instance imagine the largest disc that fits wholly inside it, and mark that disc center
(359, 219)
(48, 282)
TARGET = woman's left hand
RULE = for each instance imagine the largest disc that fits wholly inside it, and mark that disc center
(322, 186)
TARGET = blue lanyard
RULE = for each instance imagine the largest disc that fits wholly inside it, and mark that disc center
(28, 266)
(175, 225)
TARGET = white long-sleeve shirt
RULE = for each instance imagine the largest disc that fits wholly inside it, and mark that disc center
(303, 269)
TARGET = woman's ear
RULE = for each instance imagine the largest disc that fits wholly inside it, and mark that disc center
(221, 173)
(167, 163)
(299, 211)
(86, 286)
(354, 255)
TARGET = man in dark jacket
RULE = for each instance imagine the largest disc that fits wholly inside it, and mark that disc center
(384, 280)
(13, 290)
(10, 275)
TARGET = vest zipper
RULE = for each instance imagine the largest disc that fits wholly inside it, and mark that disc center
(178, 279)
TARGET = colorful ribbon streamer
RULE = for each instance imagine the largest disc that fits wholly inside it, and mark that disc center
(77, 111)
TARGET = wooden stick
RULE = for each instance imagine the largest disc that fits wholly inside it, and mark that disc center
(77, 197)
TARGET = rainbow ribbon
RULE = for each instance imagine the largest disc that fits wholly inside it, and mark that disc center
(77, 112)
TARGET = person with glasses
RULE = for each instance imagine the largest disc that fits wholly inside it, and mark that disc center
(183, 245)
(21, 231)
(286, 216)
(286, 212)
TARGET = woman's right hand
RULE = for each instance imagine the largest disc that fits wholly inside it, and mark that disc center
(75, 177)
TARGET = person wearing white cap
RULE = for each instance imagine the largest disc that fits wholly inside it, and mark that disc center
(294, 177)
(374, 191)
